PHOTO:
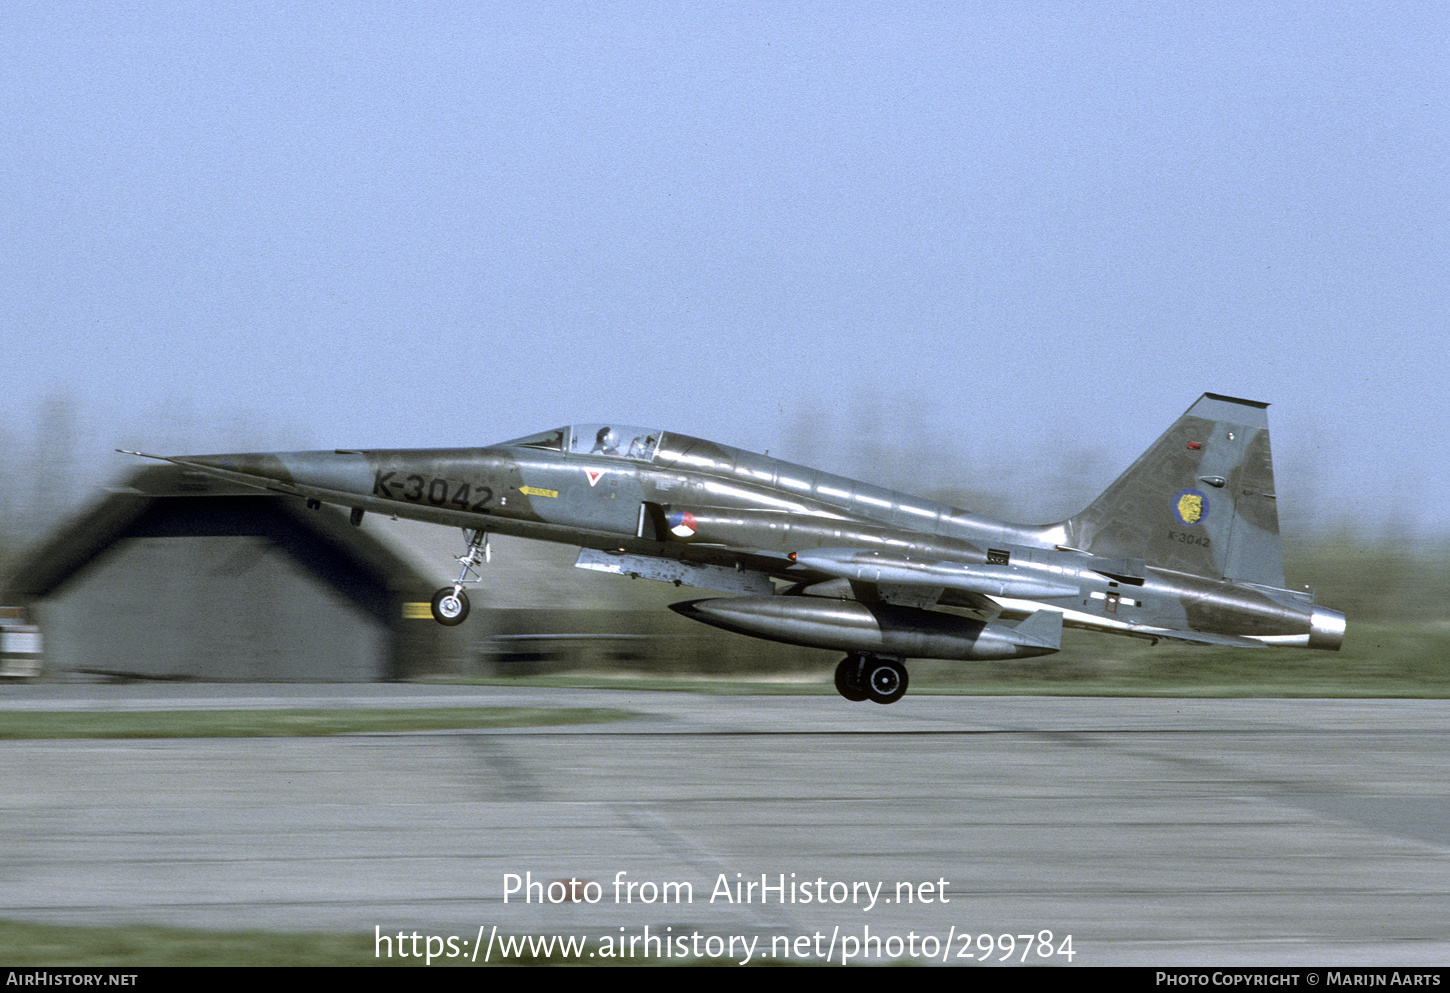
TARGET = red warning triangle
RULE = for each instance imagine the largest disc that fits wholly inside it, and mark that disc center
(594, 475)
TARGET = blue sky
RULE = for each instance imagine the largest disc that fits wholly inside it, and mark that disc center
(1022, 237)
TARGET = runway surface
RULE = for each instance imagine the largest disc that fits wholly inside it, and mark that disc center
(1155, 832)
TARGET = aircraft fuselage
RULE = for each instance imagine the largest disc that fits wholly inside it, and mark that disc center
(698, 512)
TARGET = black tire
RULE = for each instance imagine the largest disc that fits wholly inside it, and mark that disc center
(846, 680)
(886, 680)
(449, 610)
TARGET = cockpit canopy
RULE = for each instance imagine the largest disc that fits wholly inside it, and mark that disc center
(552, 441)
(613, 440)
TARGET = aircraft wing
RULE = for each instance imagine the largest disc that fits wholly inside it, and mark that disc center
(894, 573)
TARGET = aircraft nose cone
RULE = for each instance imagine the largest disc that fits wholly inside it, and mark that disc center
(267, 466)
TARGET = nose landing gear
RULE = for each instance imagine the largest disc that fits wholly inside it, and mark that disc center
(450, 604)
(867, 677)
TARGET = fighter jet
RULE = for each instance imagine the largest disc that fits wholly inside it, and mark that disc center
(1184, 545)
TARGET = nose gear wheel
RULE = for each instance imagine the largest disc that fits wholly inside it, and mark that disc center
(450, 606)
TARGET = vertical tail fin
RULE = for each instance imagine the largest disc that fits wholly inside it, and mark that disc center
(1200, 500)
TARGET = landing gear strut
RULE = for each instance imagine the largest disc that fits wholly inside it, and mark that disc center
(866, 677)
(450, 604)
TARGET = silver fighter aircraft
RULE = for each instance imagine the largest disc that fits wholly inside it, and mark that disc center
(1184, 545)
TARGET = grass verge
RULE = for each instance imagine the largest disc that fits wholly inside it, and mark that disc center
(144, 945)
(287, 723)
(25, 945)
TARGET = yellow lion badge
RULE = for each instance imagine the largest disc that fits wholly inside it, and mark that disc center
(1190, 507)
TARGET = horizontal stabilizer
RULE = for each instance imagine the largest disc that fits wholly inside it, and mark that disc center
(1042, 629)
(1199, 637)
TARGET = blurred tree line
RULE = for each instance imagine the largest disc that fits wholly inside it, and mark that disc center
(1382, 580)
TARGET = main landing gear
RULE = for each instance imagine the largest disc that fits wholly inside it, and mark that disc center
(867, 677)
(450, 604)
